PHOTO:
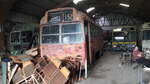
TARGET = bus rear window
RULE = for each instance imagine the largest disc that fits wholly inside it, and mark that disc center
(53, 29)
(50, 39)
(71, 28)
(62, 34)
(72, 38)
(71, 33)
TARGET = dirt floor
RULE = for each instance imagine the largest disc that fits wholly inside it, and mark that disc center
(108, 70)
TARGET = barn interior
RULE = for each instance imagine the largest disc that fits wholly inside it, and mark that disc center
(112, 45)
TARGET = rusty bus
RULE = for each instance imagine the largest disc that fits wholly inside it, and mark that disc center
(68, 32)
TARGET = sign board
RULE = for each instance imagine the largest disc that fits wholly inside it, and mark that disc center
(60, 16)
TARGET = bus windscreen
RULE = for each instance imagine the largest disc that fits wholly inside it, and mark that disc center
(62, 34)
(21, 37)
(130, 36)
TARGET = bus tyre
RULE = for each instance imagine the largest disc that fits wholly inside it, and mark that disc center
(102, 52)
(98, 54)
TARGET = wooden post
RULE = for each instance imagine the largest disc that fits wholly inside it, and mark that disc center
(86, 69)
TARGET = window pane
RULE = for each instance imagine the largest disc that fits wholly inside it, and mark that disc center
(146, 35)
(15, 37)
(60, 16)
(53, 29)
(72, 38)
(26, 36)
(50, 39)
(71, 28)
(118, 34)
(131, 36)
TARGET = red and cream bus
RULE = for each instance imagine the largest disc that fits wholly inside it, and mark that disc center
(69, 32)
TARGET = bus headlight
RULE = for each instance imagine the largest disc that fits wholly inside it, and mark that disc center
(133, 46)
(114, 46)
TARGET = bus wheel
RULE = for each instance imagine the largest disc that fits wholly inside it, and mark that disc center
(103, 52)
(97, 54)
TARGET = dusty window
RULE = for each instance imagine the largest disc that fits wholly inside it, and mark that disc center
(15, 37)
(71, 33)
(50, 34)
(26, 36)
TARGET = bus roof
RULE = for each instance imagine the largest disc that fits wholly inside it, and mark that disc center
(77, 15)
(58, 9)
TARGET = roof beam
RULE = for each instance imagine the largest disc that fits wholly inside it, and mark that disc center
(66, 2)
(29, 2)
(26, 13)
(5, 6)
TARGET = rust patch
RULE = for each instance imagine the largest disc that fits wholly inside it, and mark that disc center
(62, 51)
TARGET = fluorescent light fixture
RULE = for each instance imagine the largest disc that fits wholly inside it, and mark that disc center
(117, 30)
(76, 1)
(93, 15)
(119, 38)
(125, 5)
(90, 9)
(146, 69)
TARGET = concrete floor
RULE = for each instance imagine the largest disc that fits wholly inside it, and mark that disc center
(108, 70)
(0, 77)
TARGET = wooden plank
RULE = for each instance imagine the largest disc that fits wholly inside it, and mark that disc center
(65, 72)
(12, 73)
(26, 70)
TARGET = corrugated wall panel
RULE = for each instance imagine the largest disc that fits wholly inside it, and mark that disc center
(2, 47)
(22, 18)
(116, 20)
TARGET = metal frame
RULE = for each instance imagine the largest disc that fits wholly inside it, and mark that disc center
(116, 20)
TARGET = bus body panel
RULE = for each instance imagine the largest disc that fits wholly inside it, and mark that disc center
(62, 51)
(94, 42)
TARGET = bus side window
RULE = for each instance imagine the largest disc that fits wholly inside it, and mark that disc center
(91, 30)
(26, 36)
(86, 27)
(15, 37)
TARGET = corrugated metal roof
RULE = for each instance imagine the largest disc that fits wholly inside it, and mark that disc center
(138, 8)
